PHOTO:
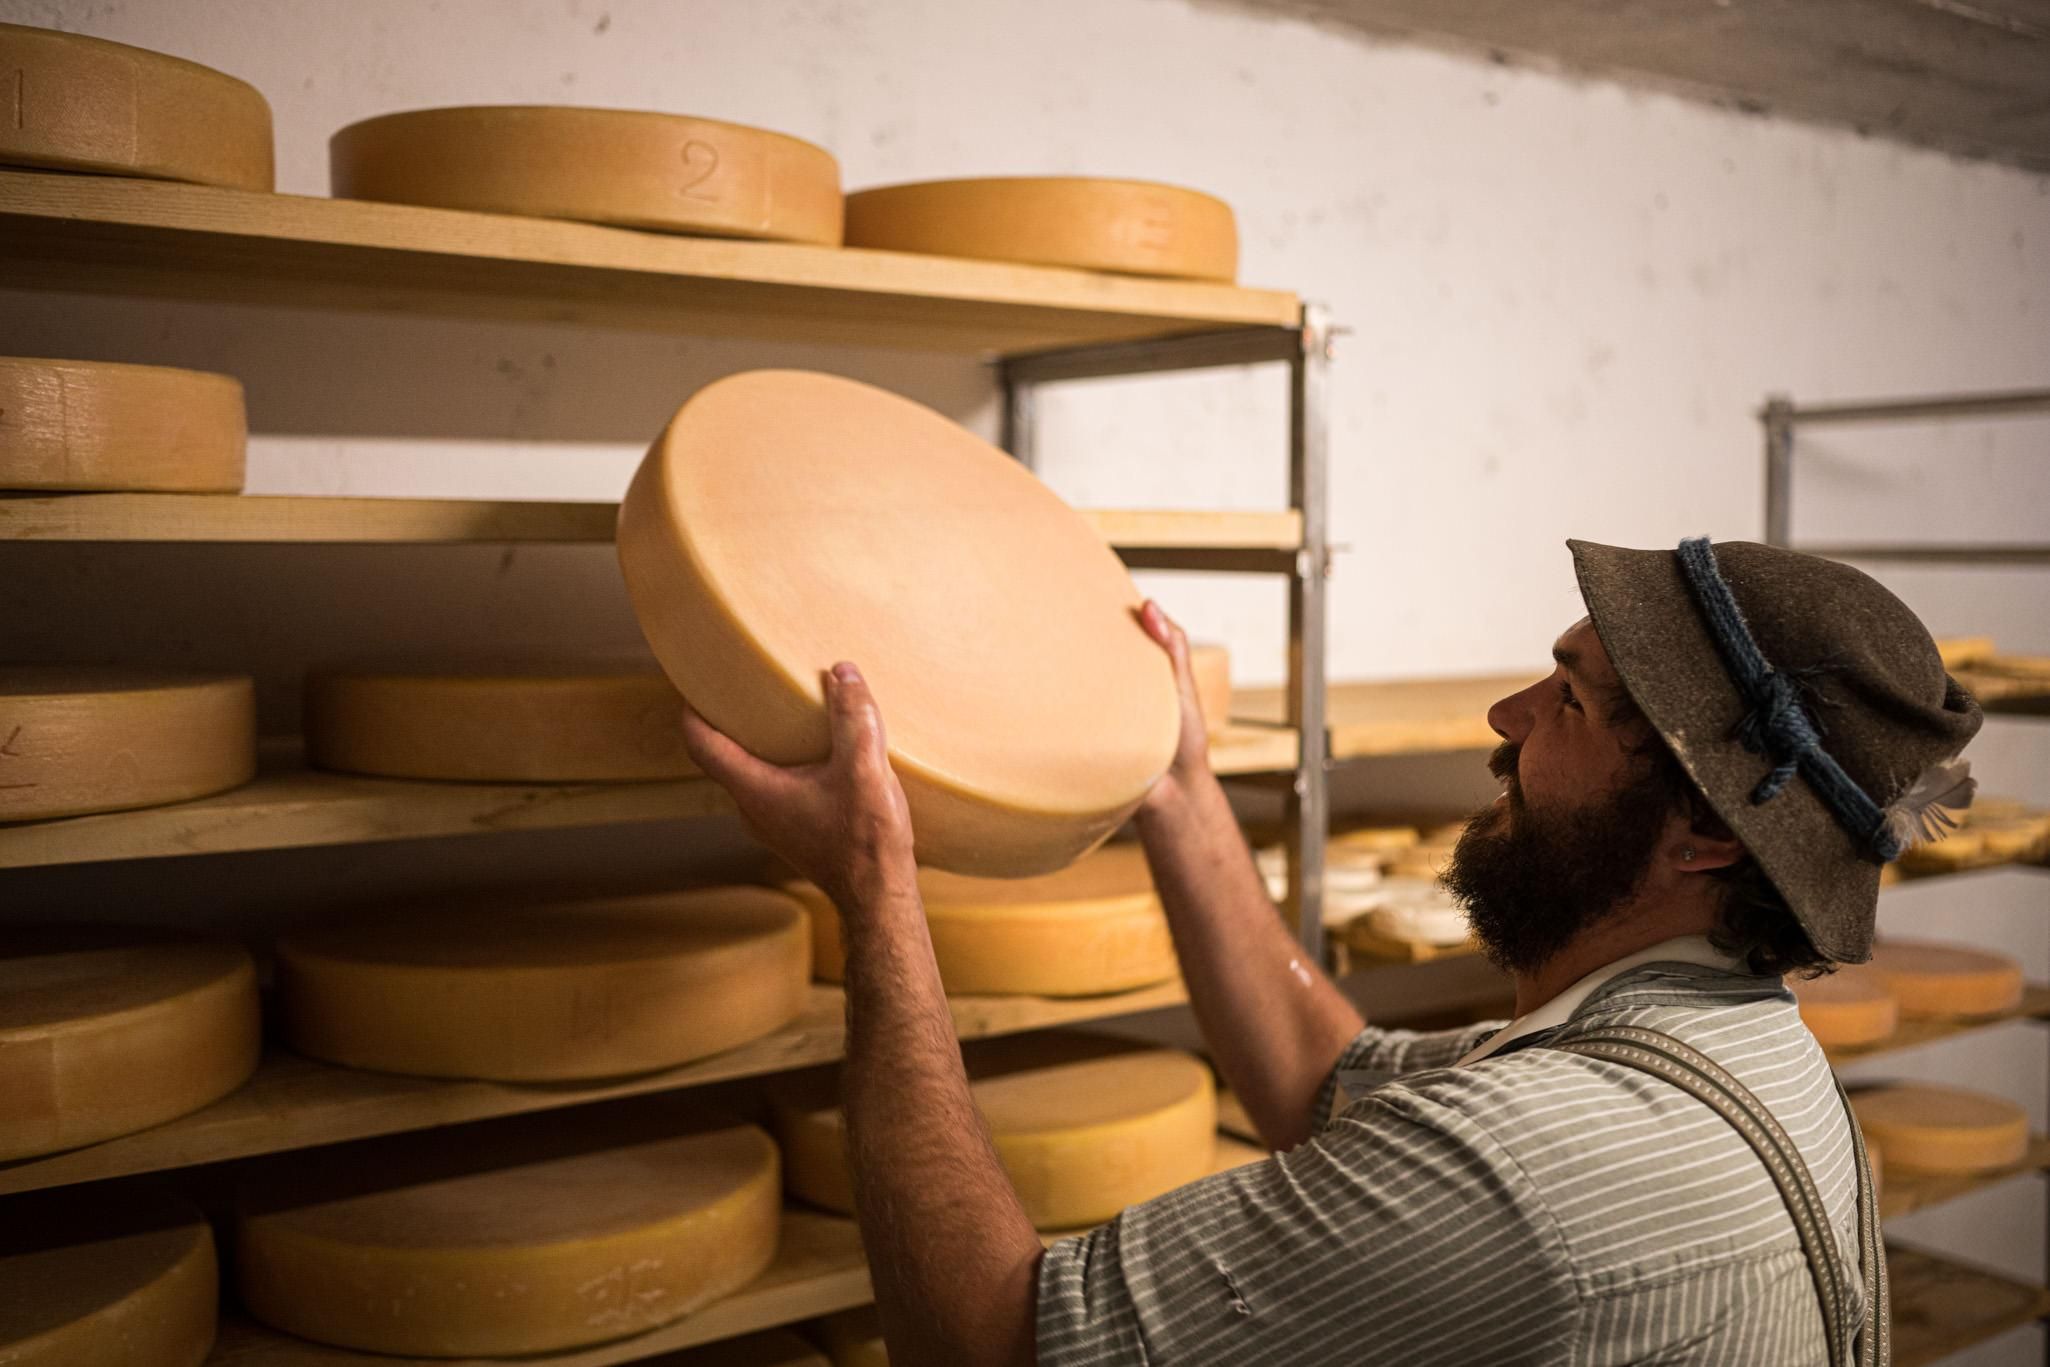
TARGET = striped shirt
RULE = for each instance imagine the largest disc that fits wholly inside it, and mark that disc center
(1532, 1207)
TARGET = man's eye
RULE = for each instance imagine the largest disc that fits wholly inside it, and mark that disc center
(1566, 694)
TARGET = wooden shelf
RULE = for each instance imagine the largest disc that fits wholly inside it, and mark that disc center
(1910, 1034)
(106, 235)
(1406, 717)
(1903, 1192)
(277, 518)
(1941, 1307)
(295, 1103)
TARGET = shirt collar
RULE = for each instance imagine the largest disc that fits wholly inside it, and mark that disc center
(1687, 949)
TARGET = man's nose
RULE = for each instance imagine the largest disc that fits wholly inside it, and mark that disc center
(1511, 717)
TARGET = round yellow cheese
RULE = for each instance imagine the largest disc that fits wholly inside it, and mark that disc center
(72, 103)
(547, 992)
(786, 521)
(2012, 838)
(1850, 1007)
(78, 740)
(508, 1239)
(87, 425)
(627, 167)
(1134, 227)
(530, 722)
(1084, 1126)
(1942, 1129)
(1385, 841)
(1211, 667)
(105, 1030)
(1938, 981)
(1094, 927)
(92, 1279)
(1428, 919)
(854, 1338)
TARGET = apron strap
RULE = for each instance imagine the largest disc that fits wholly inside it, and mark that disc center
(1651, 1051)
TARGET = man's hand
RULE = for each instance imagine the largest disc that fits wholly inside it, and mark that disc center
(1191, 765)
(843, 822)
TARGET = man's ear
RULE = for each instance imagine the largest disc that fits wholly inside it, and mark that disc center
(1704, 844)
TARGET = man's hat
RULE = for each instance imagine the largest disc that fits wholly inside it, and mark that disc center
(1807, 703)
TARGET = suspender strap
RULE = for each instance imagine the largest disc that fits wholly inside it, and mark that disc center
(1693, 1072)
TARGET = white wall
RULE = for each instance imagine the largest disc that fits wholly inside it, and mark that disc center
(1566, 300)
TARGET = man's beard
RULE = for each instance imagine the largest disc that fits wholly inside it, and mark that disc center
(1532, 880)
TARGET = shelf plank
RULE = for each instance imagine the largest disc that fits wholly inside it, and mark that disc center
(278, 518)
(1901, 1193)
(1403, 717)
(292, 808)
(1910, 1034)
(296, 1103)
(107, 235)
(1941, 1307)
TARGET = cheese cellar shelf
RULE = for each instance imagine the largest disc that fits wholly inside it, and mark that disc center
(1902, 1192)
(1941, 1307)
(136, 237)
(294, 1103)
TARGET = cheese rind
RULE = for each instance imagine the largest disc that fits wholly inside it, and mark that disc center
(86, 104)
(509, 1240)
(1094, 927)
(1942, 1129)
(79, 740)
(1851, 1007)
(600, 987)
(1083, 1126)
(633, 168)
(567, 722)
(93, 425)
(1027, 712)
(1132, 227)
(93, 1280)
(106, 1030)
(1946, 982)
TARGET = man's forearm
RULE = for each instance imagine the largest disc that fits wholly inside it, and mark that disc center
(1274, 1021)
(952, 1254)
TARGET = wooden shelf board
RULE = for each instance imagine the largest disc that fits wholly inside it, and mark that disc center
(1901, 1193)
(108, 235)
(2035, 1005)
(1404, 717)
(278, 518)
(296, 1103)
(1941, 1307)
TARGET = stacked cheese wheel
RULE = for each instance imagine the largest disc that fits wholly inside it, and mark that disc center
(105, 1030)
(1128, 226)
(547, 991)
(1094, 927)
(77, 740)
(1851, 1007)
(626, 167)
(788, 521)
(85, 104)
(92, 1279)
(1083, 1126)
(1942, 1130)
(514, 722)
(1947, 982)
(523, 1238)
(94, 425)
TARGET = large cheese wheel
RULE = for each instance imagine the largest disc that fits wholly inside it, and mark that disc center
(85, 425)
(1131, 226)
(1211, 667)
(73, 103)
(512, 1239)
(1083, 1126)
(1944, 982)
(105, 1030)
(77, 740)
(1942, 1129)
(1853, 1006)
(96, 1279)
(545, 992)
(533, 722)
(786, 521)
(1091, 928)
(620, 166)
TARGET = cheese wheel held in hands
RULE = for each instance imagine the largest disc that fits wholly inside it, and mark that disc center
(787, 521)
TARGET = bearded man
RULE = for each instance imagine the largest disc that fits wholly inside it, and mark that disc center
(1651, 1163)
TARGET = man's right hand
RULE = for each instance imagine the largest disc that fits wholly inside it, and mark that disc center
(1191, 765)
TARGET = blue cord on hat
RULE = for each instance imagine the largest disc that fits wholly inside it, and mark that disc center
(1776, 724)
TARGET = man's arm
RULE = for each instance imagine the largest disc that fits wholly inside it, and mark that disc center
(954, 1259)
(1275, 1023)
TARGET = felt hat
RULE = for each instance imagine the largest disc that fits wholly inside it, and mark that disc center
(1806, 702)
